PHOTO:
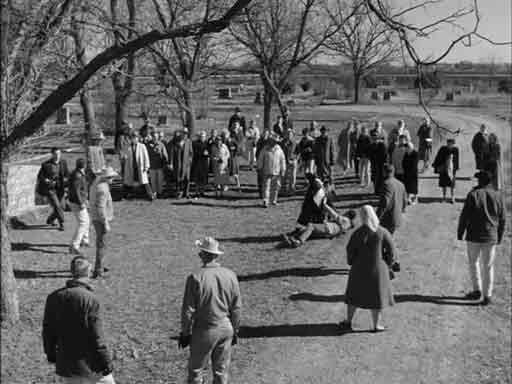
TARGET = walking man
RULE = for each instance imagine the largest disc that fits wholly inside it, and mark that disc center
(210, 315)
(78, 199)
(480, 146)
(290, 152)
(483, 221)
(272, 165)
(72, 331)
(323, 150)
(102, 213)
(393, 201)
(51, 182)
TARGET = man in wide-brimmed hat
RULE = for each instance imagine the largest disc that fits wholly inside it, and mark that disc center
(210, 315)
(102, 213)
(483, 221)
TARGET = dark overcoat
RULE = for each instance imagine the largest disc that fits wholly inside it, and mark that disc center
(180, 157)
(370, 254)
(200, 161)
(410, 166)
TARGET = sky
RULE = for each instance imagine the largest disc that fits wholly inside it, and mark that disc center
(495, 23)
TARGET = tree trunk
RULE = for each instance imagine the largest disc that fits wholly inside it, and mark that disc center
(357, 85)
(190, 112)
(9, 298)
(120, 116)
(268, 98)
(91, 128)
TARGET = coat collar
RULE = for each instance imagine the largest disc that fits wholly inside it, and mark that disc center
(212, 264)
(73, 283)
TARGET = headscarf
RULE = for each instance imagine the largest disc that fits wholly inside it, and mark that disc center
(369, 217)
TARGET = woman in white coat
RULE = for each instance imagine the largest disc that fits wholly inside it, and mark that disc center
(136, 167)
(220, 157)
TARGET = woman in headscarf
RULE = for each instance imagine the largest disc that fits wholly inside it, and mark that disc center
(371, 254)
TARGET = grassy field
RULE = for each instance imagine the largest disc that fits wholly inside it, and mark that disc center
(292, 299)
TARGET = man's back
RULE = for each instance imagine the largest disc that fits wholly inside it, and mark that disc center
(72, 332)
(212, 298)
(392, 203)
(483, 216)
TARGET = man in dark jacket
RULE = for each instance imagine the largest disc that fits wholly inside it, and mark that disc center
(480, 146)
(200, 163)
(393, 201)
(290, 152)
(51, 182)
(323, 150)
(73, 337)
(158, 161)
(483, 220)
(78, 198)
(180, 157)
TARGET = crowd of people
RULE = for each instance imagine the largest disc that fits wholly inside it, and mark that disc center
(210, 317)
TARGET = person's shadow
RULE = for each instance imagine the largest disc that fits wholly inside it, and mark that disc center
(38, 247)
(28, 274)
(399, 298)
(300, 272)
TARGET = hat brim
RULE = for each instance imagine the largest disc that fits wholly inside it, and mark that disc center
(214, 252)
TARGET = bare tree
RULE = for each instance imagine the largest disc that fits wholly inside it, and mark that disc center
(24, 45)
(363, 39)
(281, 35)
(410, 33)
(184, 63)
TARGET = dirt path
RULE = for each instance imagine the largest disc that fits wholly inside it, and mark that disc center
(434, 336)
(292, 299)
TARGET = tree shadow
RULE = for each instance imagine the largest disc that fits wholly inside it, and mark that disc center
(36, 247)
(301, 272)
(399, 298)
(251, 239)
(294, 330)
(214, 205)
(435, 177)
(28, 274)
(431, 200)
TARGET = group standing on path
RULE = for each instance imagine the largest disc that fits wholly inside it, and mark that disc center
(211, 309)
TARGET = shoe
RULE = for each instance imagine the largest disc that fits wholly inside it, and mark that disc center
(474, 295)
(74, 251)
(345, 325)
(265, 204)
(61, 227)
(486, 301)
(378, 328)
(452, 201)
(274, 203)
(50, 222)
(295, 243)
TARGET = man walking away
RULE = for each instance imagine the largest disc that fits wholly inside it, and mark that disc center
(102, 213)
(73, 337)
(483, 221)
(393, 201)
(78, 199)
(480, 146)
(51, 182)
(210, 315)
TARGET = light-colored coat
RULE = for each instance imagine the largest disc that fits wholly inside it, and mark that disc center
(100, 201)
(220, 168)
(272, 161)
(142, 158)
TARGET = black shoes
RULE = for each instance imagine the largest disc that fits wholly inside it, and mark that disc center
(486, 301)
(474, 295)
(345, 325)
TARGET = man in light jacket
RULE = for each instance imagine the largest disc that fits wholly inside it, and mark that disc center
(272, 165)
(102, 213)
(136, 166)
(210, 315)
(483, 220)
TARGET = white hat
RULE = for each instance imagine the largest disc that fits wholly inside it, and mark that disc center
(209, 245)
(107, 172)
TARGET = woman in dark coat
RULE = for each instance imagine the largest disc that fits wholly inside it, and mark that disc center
(493, 161)
(446, 165)
(200, 163)
(378, 157)
(180, 158)
(371, 254)
(410, 166)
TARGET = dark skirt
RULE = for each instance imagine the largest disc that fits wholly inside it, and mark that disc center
(369, 288)
(199, 171)
(445, 181)
(411, 184)
(234, 165)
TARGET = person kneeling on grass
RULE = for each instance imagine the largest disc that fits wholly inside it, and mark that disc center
(337, 225)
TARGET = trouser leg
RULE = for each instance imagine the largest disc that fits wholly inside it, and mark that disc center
(274, 188)
(55, 203)
(82, 228)
(101, 233)
(293, 175)
(305, 233)
(221, 357)
(148, 191)
(201, 346)
(266, 188)
(474, 267)
(488, 255)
